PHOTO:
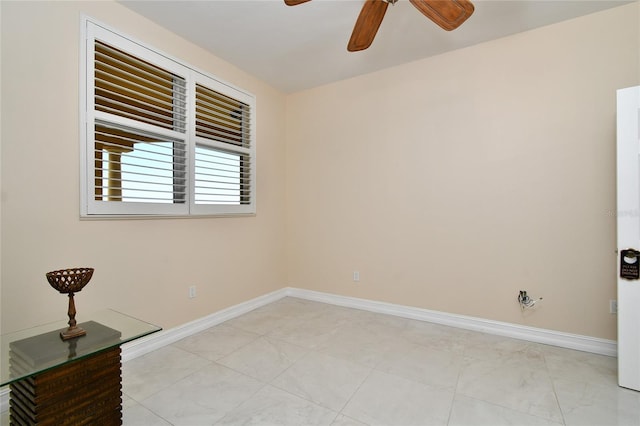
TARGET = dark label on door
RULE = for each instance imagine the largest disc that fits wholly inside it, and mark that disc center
(630, 264)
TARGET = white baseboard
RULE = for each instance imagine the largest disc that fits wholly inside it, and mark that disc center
(155, 341)
(532, 334)
(550, 337)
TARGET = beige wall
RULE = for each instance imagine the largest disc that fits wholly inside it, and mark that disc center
(449, 183)
(143, 267)
(454, 182)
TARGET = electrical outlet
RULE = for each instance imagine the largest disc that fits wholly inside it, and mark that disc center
(192, 292)
(613, 306)
(356, 276)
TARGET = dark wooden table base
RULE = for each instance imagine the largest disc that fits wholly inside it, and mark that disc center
(85, 391)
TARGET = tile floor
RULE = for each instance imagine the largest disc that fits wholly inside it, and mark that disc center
(296, 362)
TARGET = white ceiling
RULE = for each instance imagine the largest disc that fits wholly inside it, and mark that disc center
(304, 46)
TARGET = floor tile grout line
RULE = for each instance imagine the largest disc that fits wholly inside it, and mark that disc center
(264, 385)
(354, 394)
(553, 386)
(310, 400)
(455, 389)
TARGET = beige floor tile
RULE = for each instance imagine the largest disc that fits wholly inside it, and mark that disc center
(138, 415)
(264, 358)
(157, 370)
(271, 407)
(216, 342)
(426, 365)
(386, 399)
(592, 403)
(510, 383)
(323, 379)
(468, 411)
(203, 397)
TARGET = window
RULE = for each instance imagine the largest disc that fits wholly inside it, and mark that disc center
(160, 138)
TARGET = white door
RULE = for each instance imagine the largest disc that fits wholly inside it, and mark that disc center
(628, 214)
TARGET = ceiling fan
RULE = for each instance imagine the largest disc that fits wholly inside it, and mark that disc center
(448, 14)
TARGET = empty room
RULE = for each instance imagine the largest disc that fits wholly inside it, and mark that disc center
(325, 212)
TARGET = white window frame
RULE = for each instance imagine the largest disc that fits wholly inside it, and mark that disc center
(92, 208)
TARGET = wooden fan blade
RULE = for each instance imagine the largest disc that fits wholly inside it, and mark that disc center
(294, 2)
(367, 24)
(448, 14)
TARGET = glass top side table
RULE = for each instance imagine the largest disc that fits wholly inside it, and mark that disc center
(79, 378)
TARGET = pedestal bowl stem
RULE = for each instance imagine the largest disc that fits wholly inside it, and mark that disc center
(73, 330)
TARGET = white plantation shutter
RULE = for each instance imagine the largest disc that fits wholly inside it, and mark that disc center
(223, 168)
(162, 138)
(132, 88)
(137, 167)
(222, 118)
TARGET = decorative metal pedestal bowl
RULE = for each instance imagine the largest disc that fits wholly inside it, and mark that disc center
(69, 281)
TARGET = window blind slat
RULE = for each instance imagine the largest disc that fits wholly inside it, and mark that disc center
(221, 118)
(210, 99)
(111, 52)
(140, 114)
(237, 114)
(160, 99)
(132, 88)
(205, 119)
